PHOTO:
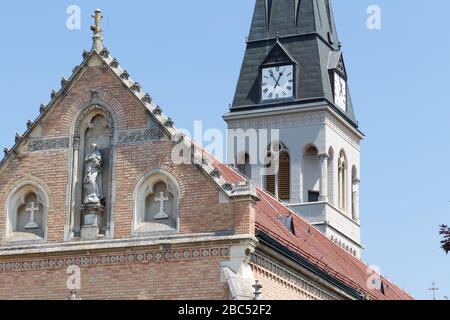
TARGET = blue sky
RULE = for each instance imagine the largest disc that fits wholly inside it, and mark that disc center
(188, 55)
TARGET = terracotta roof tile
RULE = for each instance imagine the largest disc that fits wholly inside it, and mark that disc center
(312, 245)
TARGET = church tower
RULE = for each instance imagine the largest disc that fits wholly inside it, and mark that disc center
(294, 80)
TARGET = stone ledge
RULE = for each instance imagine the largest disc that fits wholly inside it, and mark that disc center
(120, 244)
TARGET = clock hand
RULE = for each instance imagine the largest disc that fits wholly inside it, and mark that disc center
(273, 77)
(278, 81)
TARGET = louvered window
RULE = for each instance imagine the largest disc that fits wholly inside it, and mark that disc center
(280, 184)
(284, 177)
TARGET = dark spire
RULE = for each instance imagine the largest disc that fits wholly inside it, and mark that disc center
(291, 17)
(306, 30)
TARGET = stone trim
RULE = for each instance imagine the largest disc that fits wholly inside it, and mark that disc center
(292, 121)
(35, 145)
(140, 136)
(144, 256)
(143, 189)
(104, 100)
(342, 131)
(159, 165)
(42, 190)
(33, 180)
(91, 108)
(284, 121)
(294, 281)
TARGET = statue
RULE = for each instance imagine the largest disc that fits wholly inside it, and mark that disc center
(92, 183)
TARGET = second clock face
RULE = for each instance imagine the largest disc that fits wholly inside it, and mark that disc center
(277, 83)
(340, 92)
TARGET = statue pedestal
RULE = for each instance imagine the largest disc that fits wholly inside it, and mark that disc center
(92, 214)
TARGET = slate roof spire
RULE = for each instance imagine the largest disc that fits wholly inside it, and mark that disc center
(306, 29)
(97, 38)
(293, 17)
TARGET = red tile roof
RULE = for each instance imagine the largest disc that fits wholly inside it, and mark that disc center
(312, 245)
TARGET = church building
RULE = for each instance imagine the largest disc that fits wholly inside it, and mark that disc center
(93, 204)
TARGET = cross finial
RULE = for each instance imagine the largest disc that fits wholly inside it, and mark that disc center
(434, 289)
(98, 31)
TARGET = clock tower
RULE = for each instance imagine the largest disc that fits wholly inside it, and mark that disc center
(293, 81)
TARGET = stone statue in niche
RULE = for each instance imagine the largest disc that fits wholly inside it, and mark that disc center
(92, 182)
(95, 178)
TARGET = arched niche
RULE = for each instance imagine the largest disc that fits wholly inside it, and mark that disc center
(311, 173)
(93, 135)
(156, 204)
(26, 212)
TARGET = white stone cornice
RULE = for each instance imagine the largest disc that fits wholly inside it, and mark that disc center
(71, 247)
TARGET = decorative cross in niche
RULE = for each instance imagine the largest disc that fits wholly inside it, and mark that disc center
(32, 210)
(161, 214)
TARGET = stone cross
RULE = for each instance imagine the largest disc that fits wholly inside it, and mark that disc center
(32, 210)
(434, 289)
(161, 214)
(98, 31)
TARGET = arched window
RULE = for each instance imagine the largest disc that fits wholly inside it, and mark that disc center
(278, 172)
(243, 165)
(27, 209)
(342, 181)
(156, 204)
(311, 173)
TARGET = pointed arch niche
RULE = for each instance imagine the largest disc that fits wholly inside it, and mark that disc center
(93, 130)
(26, 212)
(156, 204)
(311, 173)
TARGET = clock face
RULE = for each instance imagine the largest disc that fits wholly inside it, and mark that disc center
(277, 83)
(340, 92)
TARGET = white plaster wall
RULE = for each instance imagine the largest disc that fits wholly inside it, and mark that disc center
(325, 131)
(340, 138)
(308, 129)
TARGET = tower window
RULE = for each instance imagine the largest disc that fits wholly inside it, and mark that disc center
(278, 175)
(313, 196)
(284, 181)
(243, 165)
(311, 174)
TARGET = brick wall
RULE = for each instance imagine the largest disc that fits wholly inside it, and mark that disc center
(200, 210)
(147, 273)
